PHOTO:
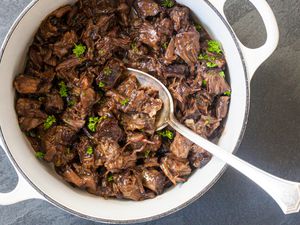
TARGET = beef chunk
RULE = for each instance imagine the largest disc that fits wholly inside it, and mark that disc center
(128, 86)
(138, 121)
(56, 139)
(176, 70)
(69, 64)
(109, 128)
(148, 35)
(153, 179)
(27, 123)
(60, 12)
(124, 10)
(70, 176)
(181, 146)
(180, 91)
(54, 103)
(123, 162)
(27, 84)
(165, 27)
(107, 149)
(62, 47)
(170, 55)
(75, 115)
(205, 126)
(86, 157)
(198, 157)
(111, 73)
(216, 84)
(29, 108)
(130, 186)
(187, 47)
(222, 107)
(30, 114)
(180, 17)
(147, 8)
(175, 169)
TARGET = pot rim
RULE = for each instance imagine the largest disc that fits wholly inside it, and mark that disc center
(169, 212)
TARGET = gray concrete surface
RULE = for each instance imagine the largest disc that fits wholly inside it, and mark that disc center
(271, 141)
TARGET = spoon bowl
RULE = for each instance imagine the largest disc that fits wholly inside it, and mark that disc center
(146, 79)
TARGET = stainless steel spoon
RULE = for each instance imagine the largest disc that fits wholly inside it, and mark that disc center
(285, 193)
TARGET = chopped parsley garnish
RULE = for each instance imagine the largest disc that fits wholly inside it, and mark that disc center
(167, 3)
(207, 122)
(198, 27)
(147, 152)
(211, 65)
(40, 155)
(68, 150)
(124, 102)
(165, 45)
(134, 46)
(101, 52)
(227, 93)
(107, 71)
(222, 74)
(49, 122)
(89, 150)
(93, 121)
(79, 50)
(101, 84)
(63, 90)
(71, 102)
(110, 178)
(167, 134)
(203, 57)
(214, 46)
(204, 83)
(206, 57)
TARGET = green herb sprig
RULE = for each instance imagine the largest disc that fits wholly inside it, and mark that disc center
(222, 74)
(63, 90)
(101, 84)
(167, 134)
(214, 47)
(89, 150)
(168, 3)
(49, 122)
(147, 153)
(79, 50)
(124, 102)
(93, 121)
(211, 65)
(110, 178)
(227, 93)
(40, 155)
(107, 71)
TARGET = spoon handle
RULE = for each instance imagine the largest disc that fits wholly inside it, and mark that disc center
(284, 192)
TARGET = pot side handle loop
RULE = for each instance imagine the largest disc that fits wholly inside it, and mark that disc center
(23, 191)
(255, 57)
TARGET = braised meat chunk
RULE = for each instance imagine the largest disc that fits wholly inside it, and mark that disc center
(87, 116)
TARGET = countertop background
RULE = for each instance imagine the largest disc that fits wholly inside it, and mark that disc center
(271, 140)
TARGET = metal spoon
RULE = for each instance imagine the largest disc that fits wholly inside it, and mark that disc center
(284, 192)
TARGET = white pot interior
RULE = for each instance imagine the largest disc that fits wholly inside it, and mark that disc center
(45, 179)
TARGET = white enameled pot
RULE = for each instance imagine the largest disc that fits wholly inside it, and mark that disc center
(38, 181)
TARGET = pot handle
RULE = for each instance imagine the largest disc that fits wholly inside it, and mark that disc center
(255, 57)
(23, 191)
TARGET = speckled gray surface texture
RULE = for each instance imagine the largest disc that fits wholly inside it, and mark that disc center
(271, 142)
